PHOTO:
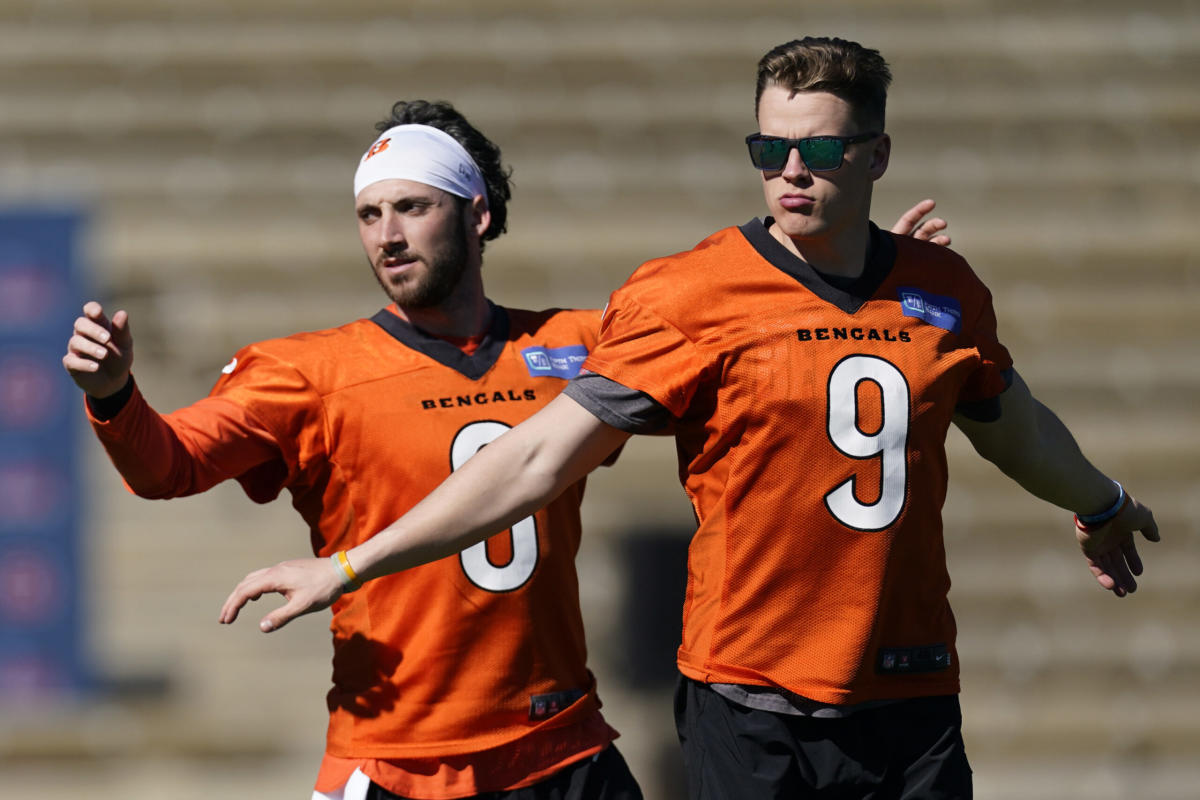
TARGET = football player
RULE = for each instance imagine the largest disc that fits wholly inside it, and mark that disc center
(468, 675)
(809, 365)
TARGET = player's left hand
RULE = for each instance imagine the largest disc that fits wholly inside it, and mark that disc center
(930, 230)
(1111, 550)
(308, 585)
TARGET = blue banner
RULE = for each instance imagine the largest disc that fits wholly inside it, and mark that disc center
(41, 577)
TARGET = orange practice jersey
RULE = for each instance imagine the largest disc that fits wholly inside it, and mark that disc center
(482, 652)
(811, 432)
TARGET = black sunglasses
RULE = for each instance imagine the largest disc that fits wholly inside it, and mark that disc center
(819, 153)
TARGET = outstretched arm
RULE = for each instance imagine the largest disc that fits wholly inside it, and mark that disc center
(1033, 447)
(507, 480)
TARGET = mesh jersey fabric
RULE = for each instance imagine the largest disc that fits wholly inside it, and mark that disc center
(481, 652)
(810, 427)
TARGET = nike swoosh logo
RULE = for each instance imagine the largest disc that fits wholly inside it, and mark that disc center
(230, 367)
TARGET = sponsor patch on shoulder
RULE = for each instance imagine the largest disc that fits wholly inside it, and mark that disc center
(944, 312)
(555, 362)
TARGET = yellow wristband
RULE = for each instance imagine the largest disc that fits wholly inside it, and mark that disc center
(349, 576)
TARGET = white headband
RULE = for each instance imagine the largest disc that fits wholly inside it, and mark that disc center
(424, 154)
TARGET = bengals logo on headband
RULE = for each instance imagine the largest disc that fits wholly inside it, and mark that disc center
(378, 147)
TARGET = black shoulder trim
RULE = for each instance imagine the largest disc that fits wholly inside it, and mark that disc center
(848, 295)
(473, 366)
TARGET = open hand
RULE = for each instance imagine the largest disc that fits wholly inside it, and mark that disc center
(1111, 550)
(308, 585)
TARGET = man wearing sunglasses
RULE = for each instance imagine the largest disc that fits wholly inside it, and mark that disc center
(809, 366)
(469, 676)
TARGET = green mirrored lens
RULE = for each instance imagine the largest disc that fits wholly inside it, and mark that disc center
(769, 153)
(821, 153)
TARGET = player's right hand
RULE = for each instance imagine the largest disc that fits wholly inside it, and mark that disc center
(100, 352)
(308, 584)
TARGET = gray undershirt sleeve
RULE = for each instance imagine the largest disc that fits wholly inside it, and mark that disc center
(617, 405)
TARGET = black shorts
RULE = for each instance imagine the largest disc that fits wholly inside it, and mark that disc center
(604, 776)
(908, 750)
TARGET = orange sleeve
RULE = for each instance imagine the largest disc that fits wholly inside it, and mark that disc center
(640, 350)
(258, 426)
(988, 380)
(185, 452)
(275, 396)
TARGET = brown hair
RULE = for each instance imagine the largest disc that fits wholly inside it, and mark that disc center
(844, 69)
(442, 115)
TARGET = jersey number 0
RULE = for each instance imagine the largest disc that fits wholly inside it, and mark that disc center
(475, 562)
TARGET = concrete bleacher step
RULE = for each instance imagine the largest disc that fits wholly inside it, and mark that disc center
(491, 30)
(237, 106)
(142, 162)
(1054, 716)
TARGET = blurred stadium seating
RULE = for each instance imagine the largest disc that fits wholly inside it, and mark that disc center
(213, 144)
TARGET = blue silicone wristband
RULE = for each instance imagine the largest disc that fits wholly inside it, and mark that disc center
(1108, 513)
